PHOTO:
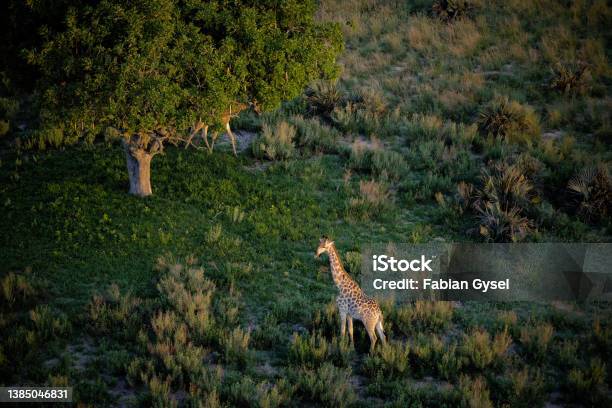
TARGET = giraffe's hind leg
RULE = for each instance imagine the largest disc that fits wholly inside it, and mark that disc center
(370, 328)
(380, 330)
(343, 324)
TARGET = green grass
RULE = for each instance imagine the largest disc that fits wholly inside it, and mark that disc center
(96, 295)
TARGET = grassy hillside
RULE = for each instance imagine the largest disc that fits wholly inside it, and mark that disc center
(491, 126)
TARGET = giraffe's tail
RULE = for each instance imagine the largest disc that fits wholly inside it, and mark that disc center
(380, 330)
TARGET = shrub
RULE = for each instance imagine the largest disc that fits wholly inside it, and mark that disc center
(499, 225)
(449, 363)
(275, 143)
(601, 338)
(474, 393)
(326, 319)
(481, 351)
(500, 203)
(432, 356)
(507, 318)
(236, 347)
(451, 10)
(570, 78)
(314, 136)
(361, 155)
(267, 333)
(48, 323)
(589, 385)
(9, 104)
(328, 385)
(373, 198)
(190, 294)
(341, 351)
(352, 261)
(432, 316)
(310, 352)
(521, 389)
(509, 120)
(568, 353)
(115, 314)
(365, 113)
(424, 127)
(425, 353)
(388, 164)
(246, 393)
(390, 361)
(314, 350)
(592, 193)
(172, 346)
(536, 339)
(323, 97)
(16, 288)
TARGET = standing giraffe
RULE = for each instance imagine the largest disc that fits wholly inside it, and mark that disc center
(352, 302)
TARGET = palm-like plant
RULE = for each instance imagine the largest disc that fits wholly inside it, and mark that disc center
(500, 203)
(450, 10)
(592, 189)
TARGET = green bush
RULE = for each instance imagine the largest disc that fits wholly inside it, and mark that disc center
(115, 314)
(388, 164)
(311, 351)
(314, 136)
(389, 361)
(275, 143)
(520, 388)
(474, 393)
(589, 384)
(483, 351)
(536, 339)
(48, 325)
(434, 316)
(373, 198)
(246, 393)
(236, 347)
(267, 333)
(328, 385)
(16, 288)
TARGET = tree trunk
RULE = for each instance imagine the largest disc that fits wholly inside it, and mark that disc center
(139, 171)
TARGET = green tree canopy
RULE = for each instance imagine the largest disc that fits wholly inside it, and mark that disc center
(155, 71)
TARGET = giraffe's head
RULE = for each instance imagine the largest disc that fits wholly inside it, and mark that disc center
(325, 245)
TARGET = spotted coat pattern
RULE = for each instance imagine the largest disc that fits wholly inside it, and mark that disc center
(352, 302)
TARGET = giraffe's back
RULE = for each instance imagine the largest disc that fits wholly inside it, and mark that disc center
(359, 306)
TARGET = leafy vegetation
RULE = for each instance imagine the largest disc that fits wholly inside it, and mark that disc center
(207, 293)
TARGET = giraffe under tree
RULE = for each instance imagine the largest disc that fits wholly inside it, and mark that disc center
(352, 302)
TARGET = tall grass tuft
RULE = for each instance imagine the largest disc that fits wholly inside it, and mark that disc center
(424, 315)
(372, 199)
(536, 340)
(276, 141)
(510, 121)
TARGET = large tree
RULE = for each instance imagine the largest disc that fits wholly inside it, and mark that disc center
(164, 71)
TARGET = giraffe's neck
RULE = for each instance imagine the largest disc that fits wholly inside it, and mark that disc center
(339, 274)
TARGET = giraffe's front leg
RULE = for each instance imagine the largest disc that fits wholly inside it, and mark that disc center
(342, 323)
(349, 321)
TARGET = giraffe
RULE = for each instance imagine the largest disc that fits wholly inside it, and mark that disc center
(352, 302)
